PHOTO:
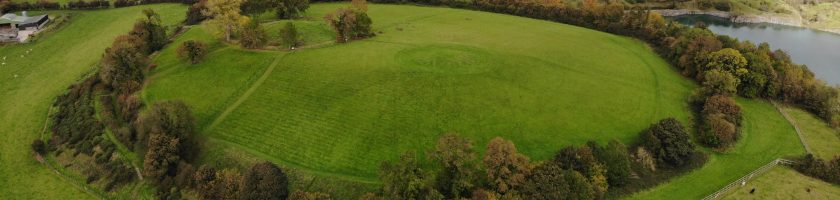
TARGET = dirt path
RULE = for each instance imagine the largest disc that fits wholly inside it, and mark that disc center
(247, 93)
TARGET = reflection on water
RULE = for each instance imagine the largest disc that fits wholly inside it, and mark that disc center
(819, 50)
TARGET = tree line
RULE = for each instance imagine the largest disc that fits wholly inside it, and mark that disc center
(7, 6)
(828, 171)
(163, 135)
(589, 171)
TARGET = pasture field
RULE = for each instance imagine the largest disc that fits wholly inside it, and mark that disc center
(340, 110)
(765, 136)
(823, 140)
(29, 84)
(785, 183)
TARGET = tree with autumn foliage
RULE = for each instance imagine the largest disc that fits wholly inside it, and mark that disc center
(456, 157)
(225, 17)
(506, 169)
(169, 126)
(405, 179)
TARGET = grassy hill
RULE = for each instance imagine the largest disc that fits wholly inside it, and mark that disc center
(786, 183)
(30, 81)
(340, 110)
(765, 136)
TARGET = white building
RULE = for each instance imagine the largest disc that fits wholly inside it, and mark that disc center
(18, 28)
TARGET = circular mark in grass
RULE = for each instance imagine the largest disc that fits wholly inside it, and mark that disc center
(447, 59)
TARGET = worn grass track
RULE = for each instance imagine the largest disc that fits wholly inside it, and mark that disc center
(340, 110)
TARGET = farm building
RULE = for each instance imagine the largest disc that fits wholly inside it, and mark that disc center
(18, 28)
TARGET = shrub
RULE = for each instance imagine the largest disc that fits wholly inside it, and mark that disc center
(617, 160)
(405, 179)
(818, 168)
(39, 147)
(668, 141)
(583, 160)
(289, 35)
(724, 105)
(550, 181)
(350, 24)
(151, 31)
(718, 132)
(253, 35)
(194, 15)
(169, 126)
(123, 62)
(506, 169)
(265, 181)
(457, 159)
(192, 51)
(645, 159)
(718, 82)
(287, 9)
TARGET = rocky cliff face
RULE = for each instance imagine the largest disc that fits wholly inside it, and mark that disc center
(736, 18)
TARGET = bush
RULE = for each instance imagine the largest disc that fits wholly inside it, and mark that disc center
(39, 147)
(194, 15)
(151, 31)
(668, 141)
(350, 24)
(718, 82)
(253, 35)
(457, 159)
(617, 160)
(724, 105)
(265, 181)
(550, 181)
(289, 35)
(123, 62)
(817, 168)
(718, 132)
(405, 179)
(506, 169)
(192, 51)
(287, 9)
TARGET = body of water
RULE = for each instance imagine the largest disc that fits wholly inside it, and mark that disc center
(819, 50)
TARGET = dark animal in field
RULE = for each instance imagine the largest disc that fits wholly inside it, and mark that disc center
(752, 191)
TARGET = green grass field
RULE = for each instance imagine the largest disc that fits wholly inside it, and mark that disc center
(765, 136)
(340, 110)
(336, 111)
(823, 140)
(29, 84)
(785, 183)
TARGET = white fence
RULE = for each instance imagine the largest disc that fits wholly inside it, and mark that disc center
(743, 180)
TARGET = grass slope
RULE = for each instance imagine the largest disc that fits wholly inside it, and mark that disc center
(765, 136)
(785, 183)
(823, 140)
(55, 62)
(340, 110)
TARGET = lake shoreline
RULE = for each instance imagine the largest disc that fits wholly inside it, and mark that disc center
(739, 18)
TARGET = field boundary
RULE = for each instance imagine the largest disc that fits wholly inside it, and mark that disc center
(795, 127)
(744, 179)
